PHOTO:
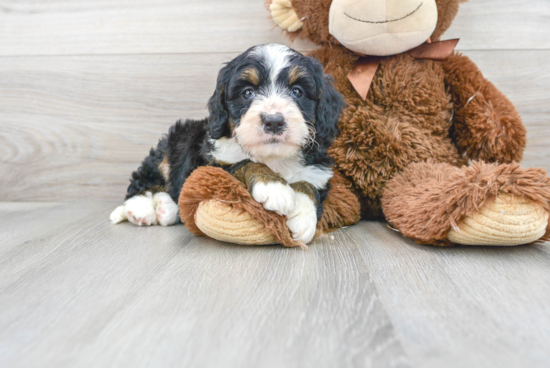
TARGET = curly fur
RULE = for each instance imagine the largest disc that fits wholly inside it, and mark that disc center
(315, 18)
(211, 183)
(427, 199)
(340, 208)
(418, 111)
(395, 126)
(486, 124)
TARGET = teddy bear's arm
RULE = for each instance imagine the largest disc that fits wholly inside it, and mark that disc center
(250, 173)
(265, 186)
(486, 125)
(307, 189)
(312, 193)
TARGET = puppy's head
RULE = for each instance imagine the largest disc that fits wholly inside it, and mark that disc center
(275, 102)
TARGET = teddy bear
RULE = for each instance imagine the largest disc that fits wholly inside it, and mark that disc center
(425, 141)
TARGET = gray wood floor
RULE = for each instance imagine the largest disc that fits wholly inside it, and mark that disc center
(78, 292)
(87, 87)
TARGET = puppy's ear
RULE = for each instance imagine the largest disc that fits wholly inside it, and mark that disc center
(329, 107)
(218, 120)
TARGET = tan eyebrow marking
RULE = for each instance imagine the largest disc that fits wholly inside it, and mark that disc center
(164, 168)
(251, 75)
(295, 73)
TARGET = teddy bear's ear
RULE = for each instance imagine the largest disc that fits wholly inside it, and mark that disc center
(304, 19)
(447, 10)
(284, 15)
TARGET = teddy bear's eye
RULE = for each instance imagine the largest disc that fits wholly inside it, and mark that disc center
(297, 92)
(248, 94)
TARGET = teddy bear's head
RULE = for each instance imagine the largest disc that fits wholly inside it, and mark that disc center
(370, 27)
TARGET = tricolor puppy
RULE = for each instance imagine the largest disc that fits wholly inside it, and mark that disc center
(272, 118)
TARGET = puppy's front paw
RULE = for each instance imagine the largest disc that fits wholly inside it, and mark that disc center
(140, 210)
(302, 221)
(166, 209)
(118, 215)
(275, 196)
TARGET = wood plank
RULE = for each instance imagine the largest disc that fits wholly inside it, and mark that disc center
(13, 215)
(69, 27)
(104, 295)
(502, 25)
(75, 127)
(81, 293)
(537, 153)
(92, 119)
(527, 85)
(462, 306)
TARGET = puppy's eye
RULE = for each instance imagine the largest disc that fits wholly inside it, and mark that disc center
(248, 94)
(297, 92)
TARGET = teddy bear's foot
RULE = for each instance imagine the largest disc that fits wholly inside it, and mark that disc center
(215, 204)
(506, 220)
(223, 222)
(481, 204)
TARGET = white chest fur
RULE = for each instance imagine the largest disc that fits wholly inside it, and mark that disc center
(291, 169)
(228, 150)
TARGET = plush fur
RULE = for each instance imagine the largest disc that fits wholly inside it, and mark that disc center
(314, 15)
(181, 151)
(419, 111)
(487, 126)
(273, 116)
(340, 208)
(426, 199)
(211, 183)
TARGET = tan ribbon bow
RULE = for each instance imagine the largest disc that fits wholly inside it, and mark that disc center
(364, 69)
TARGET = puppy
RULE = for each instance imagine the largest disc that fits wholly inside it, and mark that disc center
(272, 118)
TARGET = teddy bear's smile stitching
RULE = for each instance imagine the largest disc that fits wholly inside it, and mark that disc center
(386, 21)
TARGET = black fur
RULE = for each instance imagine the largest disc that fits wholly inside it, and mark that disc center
(186, 148)
(148, 176)
(188, 145)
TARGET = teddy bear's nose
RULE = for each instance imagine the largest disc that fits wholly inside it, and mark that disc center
(273, 123)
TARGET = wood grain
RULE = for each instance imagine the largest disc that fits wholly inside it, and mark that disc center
(502, 25)
(485, 307)
(71, 27)
(82, 292)
(86, 88)
(75, 127)
(76, 291)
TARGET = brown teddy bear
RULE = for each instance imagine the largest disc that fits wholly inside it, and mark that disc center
(425, 142)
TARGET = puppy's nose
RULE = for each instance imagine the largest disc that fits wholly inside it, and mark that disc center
(273, 123)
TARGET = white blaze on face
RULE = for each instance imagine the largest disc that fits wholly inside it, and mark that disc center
(276, 57)
(260, 145)
(272, 99)
(382, 27)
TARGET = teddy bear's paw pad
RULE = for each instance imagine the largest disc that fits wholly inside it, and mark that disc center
(302, 222)
(505, 221)
(166, 209)
(285, 16)
(220, 221)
